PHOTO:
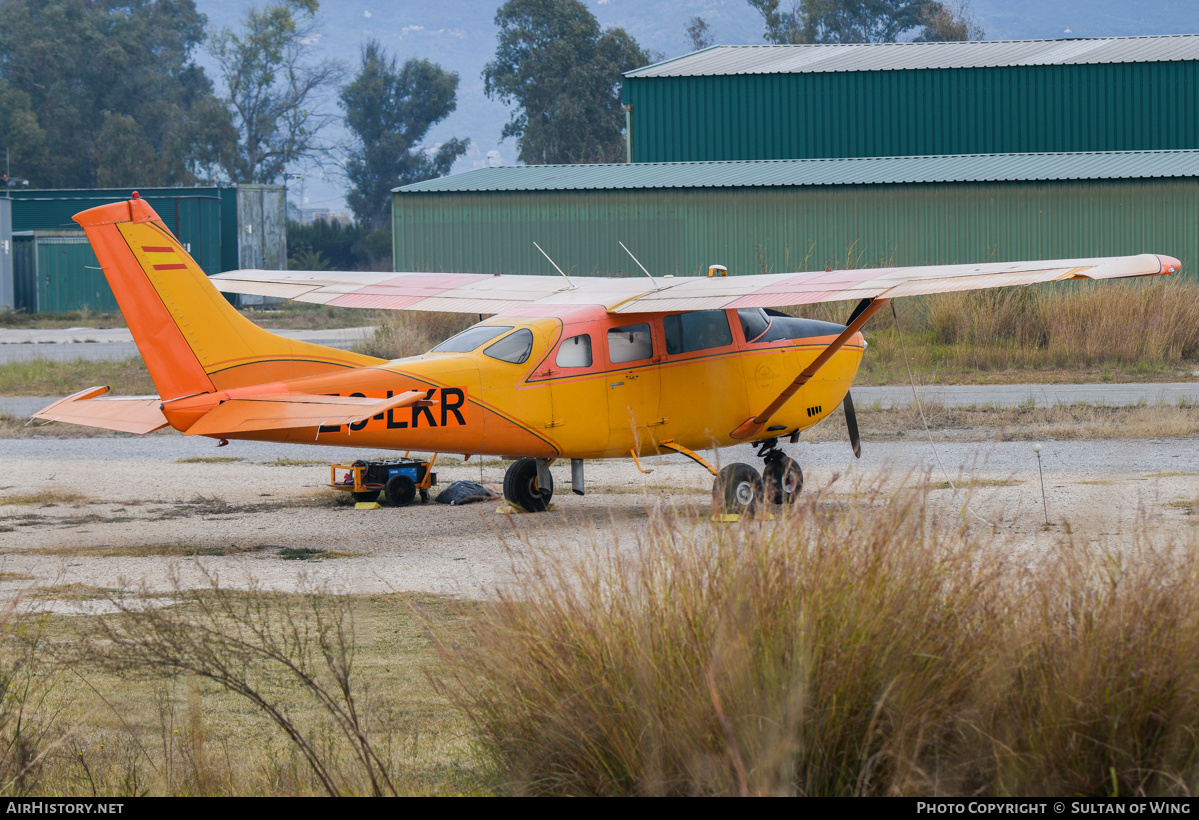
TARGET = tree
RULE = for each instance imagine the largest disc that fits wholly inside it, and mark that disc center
(698, 33)
(106, 92)
(272, 87)
(950, 22)
(389, 110)
(863, 21)
(562, 74)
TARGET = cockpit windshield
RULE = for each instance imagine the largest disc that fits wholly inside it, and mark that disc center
(471, 339)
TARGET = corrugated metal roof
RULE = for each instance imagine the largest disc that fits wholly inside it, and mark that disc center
(772, 59)
(803, 172)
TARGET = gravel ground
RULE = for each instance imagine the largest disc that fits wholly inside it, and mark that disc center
(139, 499)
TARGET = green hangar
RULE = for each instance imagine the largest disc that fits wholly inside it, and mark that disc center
(780, 215)
(775, 158)
(901, 99)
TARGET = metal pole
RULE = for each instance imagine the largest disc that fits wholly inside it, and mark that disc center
(1044, 500)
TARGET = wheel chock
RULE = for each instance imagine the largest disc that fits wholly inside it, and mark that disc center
(732, 518)
(368, 505)
(509, 509)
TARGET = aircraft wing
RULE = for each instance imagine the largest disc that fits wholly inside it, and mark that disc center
(91, 408)
(496, 293)
(291, 411)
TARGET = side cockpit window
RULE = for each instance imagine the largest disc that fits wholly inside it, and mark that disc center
(698, 330)
(574, 352)
(514, 348)
(630, 343)
(754, 322)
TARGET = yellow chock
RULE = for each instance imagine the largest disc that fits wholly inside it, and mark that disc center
(731, 518)
(510, 509)
(368, 505)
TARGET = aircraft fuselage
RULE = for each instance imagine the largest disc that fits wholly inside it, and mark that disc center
(589, 384)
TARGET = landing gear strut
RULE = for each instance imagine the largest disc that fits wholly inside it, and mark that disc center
(782, 475)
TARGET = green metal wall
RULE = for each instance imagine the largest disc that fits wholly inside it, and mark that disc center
(60, 273)
(195, 215)
(1106, 107)
(755, 230)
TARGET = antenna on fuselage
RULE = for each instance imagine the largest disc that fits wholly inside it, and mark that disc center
(638, 261)
(555, 264)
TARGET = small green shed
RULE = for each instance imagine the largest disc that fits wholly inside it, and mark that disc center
(223, 228)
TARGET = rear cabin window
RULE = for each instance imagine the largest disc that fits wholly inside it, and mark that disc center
(630, 343)
(470, 339)
(515, 348)
(575, 352)
(699, 330)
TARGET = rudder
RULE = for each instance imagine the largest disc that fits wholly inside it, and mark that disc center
(192, 340)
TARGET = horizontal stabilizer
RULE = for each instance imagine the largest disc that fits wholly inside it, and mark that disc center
(291, 411)
(91, 408)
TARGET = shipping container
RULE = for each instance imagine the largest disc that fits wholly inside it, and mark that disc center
(223, 228)
(59, 273)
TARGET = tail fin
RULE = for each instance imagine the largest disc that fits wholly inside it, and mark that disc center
(190, 337)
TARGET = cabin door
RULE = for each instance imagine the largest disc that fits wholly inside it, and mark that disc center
(633, 387)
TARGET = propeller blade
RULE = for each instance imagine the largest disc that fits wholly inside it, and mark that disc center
(851, 421)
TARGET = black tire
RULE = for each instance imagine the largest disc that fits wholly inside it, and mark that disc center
(424, 496)
(400, 490)
(366, 496)
(783, 479)
(738, 490)
(522, 489)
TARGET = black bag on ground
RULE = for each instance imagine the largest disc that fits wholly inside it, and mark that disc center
(464, 492)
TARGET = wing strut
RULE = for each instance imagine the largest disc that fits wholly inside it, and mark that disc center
(753, 426)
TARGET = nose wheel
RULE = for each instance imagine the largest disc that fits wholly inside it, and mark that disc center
(781, 474)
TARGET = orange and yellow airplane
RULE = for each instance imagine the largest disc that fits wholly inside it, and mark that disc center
(564, 368)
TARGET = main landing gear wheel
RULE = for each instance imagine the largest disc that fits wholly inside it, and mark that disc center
(738, 490)
(400, 490)
(522, 489)
(784, 480)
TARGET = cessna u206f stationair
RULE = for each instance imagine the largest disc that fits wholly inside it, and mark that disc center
(564, 368)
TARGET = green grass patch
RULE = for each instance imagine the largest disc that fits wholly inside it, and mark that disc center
(53, 378)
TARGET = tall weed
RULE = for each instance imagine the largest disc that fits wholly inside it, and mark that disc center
(864, 649)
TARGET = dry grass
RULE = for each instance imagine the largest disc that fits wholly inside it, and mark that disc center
(1072, 332)
(295, 462)
(847, 649)
(54, 378)
(1024, 423)
(122, 718)
(45, 497)
(305, 316)
(209, 460)
(411, 333)
(289, 316)
(146, 550)
(14, 427)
